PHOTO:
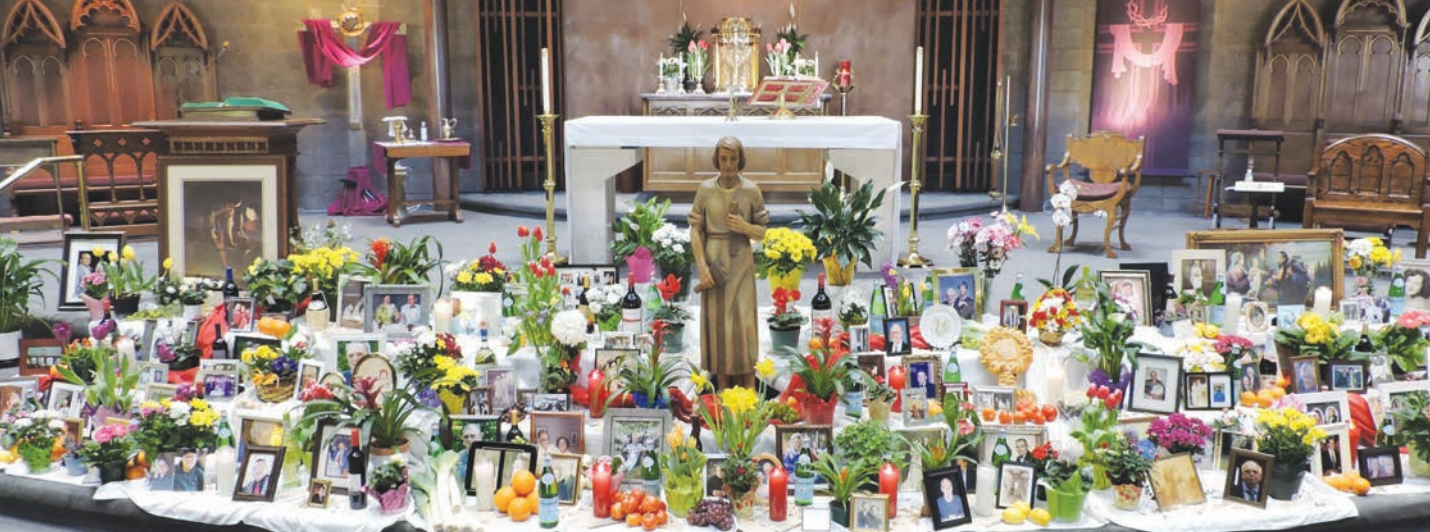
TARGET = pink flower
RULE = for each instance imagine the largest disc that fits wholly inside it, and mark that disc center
(691, 47)
(704, 45)
(965, 427)
(1413, 319)
(108, 433)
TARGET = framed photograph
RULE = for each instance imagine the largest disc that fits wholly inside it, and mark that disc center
(959, 389)
(1349, 310)
(1257, 318)
(610, 361)
(1417, 283)
(1015, 484)
(243, 342)
(223, 212)
(568, 471)
(558, 432)
(351, 307)
(74, 431)
(1013, 314)
(256, 428)
(330, 456)
(997, 397)
(926, 372)
(502, 381)
(1175, 483)
(1380, 465)
(1227, 441)
(318, 493)
(379, 368)
(869, 513)
(551, 402)
(331, 379)
(219, 386)
(1159, 273)
(791, 440)
(66, 399)
(915, 406)
(465, 430)
(258, 474)
(1281, 267)
(859, 339)
(1326, 407)
(39, 354)
(160, 476)
(896, 337)
(218, 366)
(239, 313)
(189, 470)
(1305, 374)
(714, 478)
(79, 260)
(1287, 314)
(1391, 394)
(1333, 454)
(873, 364)
(1155, 384)
(1249, 479)
(479, 401)
(396, 310)
(620, 340)
(630, 431)
(524, 397)
(499, 461)
(16, 391)
(1196, 269)
(153, 392)
(1349, 375)
(309, 372)
(1208, 391)
(348, 349)
(958, 288)
(1022, 438)
(1134, 288)
(816, 520)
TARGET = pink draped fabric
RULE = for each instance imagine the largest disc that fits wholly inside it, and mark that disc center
(322, 49)
(1164, 56)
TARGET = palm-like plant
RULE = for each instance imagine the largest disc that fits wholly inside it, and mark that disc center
(842, 225)
(844, 476)
(682, 39)
(20, 280)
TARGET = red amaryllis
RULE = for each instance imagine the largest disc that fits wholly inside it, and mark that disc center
(380, 248)
(669, 287)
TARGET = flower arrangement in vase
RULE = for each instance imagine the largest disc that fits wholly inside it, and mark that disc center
(1106, 333)
(673, 314)
(778, 57)
(783, 256)
(853, 309)
(1402, 342)
(434, 362)
(737, 418)
(905, 301)
(696, 53)
(1127, 469)
(987, 245)
(37, 436)
(536, 309)
(1177, 433)
(126, 279)
(1054, 314)
(1291, 436)
(684, 468)
(486, 274)
(1097, 427)
(108, 449)
(819, 373)
(323, 265)
(1366, 257)
(673, 255)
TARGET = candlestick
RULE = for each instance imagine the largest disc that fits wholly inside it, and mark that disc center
(889, 485)
(545, 81)
(596, 382)
(919, 82)
(1231, 322)
(1322, 302)
(601, 491)
(987, 485)
(913, 259)
(442, 317)
(779, 502)
(548, 137)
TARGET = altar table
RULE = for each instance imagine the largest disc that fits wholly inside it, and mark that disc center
(598, 147)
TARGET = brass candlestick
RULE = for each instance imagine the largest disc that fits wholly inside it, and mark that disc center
(913, 259)
(547, 120)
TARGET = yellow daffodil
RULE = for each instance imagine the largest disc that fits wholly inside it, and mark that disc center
(738, 400)
(701, 383)
(765, 368)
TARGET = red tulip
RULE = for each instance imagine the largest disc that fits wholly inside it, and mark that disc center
(537, 233)
(492, 248)
(523, 232)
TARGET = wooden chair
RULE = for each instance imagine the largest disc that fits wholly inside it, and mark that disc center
(1114, 166)
(1374, 182)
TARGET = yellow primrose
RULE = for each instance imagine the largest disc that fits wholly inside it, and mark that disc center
(738, 399)
(1355, 262)
(199, 404)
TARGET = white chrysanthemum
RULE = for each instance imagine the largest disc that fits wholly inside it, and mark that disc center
(23, 422)
(425, 336)
(678, 248)
(178, 410)
(569, 327)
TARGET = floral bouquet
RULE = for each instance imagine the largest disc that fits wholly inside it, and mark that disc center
(126, 275)
(1313, 335)
(636, 229)
(1288, 434)
(1200, 354)
(276, 284)
(434, 361)
(486, 274)
(962, 442)
(536, 308)
(605, 304)
(696, 54)
(95, 284)
(323, 266)
(1236, 351)
(671, 249)
(1366, 256)
(852, 309)
(1097, 427)
(1055, 313)
(783, 252)
(777, 55)
(737, 419)
(1403, 342)
(786, 316)
(274, 370)
(1178, 433)
(989, 244)
(37, 434)
(108, 445)
(170, 424)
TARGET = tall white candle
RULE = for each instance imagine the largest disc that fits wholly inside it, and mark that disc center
(545, 81)
(483, 476)
(1322, 301)
(1054, 380)
(442, 317)
(987, 485)
(919, 81)
(1232, 321)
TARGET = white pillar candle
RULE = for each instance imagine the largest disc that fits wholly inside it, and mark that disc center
(919, 81)
(545, 81)
(987, 485)
(442, 317)
(1054, 380)
(1232, 321)
(1322, 305)
(483, 477)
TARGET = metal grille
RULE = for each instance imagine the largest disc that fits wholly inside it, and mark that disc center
(960, 40)
(510, 36)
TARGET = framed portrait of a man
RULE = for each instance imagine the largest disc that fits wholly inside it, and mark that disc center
(258, 474)
(223, 212)
(80, 259)
(348, 349)
(396, 310)
(947, 498)
(1156, 386)
(1248, 481)
(896, 337)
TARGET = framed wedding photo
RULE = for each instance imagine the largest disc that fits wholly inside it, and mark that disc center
(224, 212)
(1248, 481)
(1175, 482)
(396, 310)
(1134, 288)
(258, 474)
(959, 288)
(947, 498)
(80, 260)
(1156, 384)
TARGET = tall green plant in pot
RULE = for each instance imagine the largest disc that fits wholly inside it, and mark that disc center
(843, 476)
(20, 280)
(842, 228)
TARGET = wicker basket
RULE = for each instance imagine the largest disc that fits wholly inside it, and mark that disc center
(277, 393)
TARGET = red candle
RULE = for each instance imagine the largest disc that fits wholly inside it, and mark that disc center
(889, 485)
(896, 381)
(843, 79)
(597, 382)
(601, 491)
(779, 496)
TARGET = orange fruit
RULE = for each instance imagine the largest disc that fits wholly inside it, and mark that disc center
(1248, 398)
(989, 414)
(519, 510)
(1264, 399)
(661, 516)
(649, 522)
(504, 498)
(1020, 417)
(633, 519)
(618, 512)
(1360, 486)
(1352, 474)
(1278, 393)
(1005, 417)
(58, 450)
(523, 482)
(1336, 481)
(533, 500)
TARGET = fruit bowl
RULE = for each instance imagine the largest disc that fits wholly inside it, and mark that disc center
(713, 514)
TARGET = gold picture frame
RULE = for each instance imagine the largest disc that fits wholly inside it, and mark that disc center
(1326, 267)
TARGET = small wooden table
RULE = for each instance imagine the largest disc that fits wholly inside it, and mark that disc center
(458, 154)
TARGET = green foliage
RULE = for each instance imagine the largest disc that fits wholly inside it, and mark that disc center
(966, 429)
(870, 443)
(637, 228)
(1124, 464)
(1405, 346)
(1413, 426)
(1067, 477)
(1106, 332)
(412, 263)
(389, 426)
(388, 477)
(277, 282)
(680, 41)
(842, 225)
(649, 375)
(821, 370)
(844, 475)
(20, 280)
(110, 382)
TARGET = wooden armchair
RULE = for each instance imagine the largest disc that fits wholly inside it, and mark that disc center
(1374, 182)
(1114, 166)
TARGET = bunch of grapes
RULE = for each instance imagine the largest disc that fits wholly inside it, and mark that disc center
(716, 513)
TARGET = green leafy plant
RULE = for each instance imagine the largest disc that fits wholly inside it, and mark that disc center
(649, 375)
(637, 228)
(669, 311)
(1413, 425)
(966, 428)
(126, 274)
(1067, 477)
(20, 280)
(276, 282)
(736, 418)
(823, 368)
(843, 224)
(109, 444)
(1403, 342)
(843, 475)
(384, 414)
(388, 477)
(1314, 335)
(388, 424)
(786, 316)
(1123, 463)
(111, 381)
(880, 391)
(870, 442)
(410, 263)
(1106, 332)
(1288, 434)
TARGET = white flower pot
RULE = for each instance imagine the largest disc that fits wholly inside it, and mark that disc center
(10, 346)
(192, 312)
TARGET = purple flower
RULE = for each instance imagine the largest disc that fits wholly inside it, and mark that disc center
(102, 329)
(891, 276)
(164, 352)
(184, 393)
(63, 331)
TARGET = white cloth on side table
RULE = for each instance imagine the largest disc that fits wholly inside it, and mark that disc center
(287, 513)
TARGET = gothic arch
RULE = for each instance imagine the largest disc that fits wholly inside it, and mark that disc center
(28, 17)
(177, 25)
(104, 13)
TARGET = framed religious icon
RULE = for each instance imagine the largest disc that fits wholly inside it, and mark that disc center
(1417, 283)
(558, 432)
(37, 355)
(351, 309)
(1015, 484)
(1134, 289)
(1156, 385)
(869, 513)
(1381, 465)
(223, 212)
(1022, 439)
(873, 364)
(1305, 374)
(377, 367)
(567, 468)
(1257, 318)
(1196, 269)
(396, 310)
(1207, 391)
(946, 497)
(896, 337)
(915, 403)
(1349, 375)
(629, 432)
(83, 254)
(258, 474)
(1175, 483)
(926, 372)
(1248, 481)
(479, 401)
(1013, 314)
(490, 465)
(1326, 407)
(1281, 267)
(1333, 454)
(349, 348)
(959, 288)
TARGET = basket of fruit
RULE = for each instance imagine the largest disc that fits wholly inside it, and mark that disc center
(713, 513)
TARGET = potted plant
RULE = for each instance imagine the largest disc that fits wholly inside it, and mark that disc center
(391, 436)
(1106, 333)
(108, 379)
(1403, 343)
(189, 295)
(538, 301)
(673, 255)
(324, 266)
(881, 399)
(389, 486)
(478, 286)
(873, 444)
(635, 231)
(1067, 486)
(1312, 335)
(1127, 469)
(783, 256)
(1291, 436)
(276, 284)
(274, 370)
(786, 322)
(434, 362)
(410, 263)
(1413, 430)
(737, 418)
(1097, 427)
(1178, 433)
(853, 309)
(20, 280)
(842, 228)
(37, 437)
(844, 476)
(684, 468)
(648, 378)
(126, 280)
(108, 449)
(169, 425)
(672, 314)
(965, 435)
(819, 372)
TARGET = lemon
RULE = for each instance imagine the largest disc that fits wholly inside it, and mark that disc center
(1013, 516)
(1040, 517)
(1022, 506)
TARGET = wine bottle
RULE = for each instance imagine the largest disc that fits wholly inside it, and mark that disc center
(632, 313)
(877, 309)
(1017, 289)
(230, 288)
(1396, 296)
(485, 355)
(547, 510)
(220, 346)
(821, 307)
(583, 304)
(1365, 345)
(357, 471)
(1001, 453)
(514, 434)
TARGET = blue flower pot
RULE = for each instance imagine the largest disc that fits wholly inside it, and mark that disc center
(643, 400)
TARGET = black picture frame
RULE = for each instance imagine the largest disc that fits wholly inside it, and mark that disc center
(1158, 272)
(1208, 395)
(78, 246)
(889, 347)
(875, 364)
(1143, 396)
(1234, 490)
(1349, 375)
(1380, 465)
(505, 466)
(268, 484)
(336, 439)
(939, 504)
(551, 402)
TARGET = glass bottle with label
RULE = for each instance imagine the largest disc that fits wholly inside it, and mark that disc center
(548, 509)
(632, 313)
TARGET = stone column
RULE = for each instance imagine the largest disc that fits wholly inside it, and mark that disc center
(1035, 139)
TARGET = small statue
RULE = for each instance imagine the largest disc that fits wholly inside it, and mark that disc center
(448, 125)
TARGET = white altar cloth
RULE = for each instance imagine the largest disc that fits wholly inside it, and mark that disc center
(598, 147)
(288, 512)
